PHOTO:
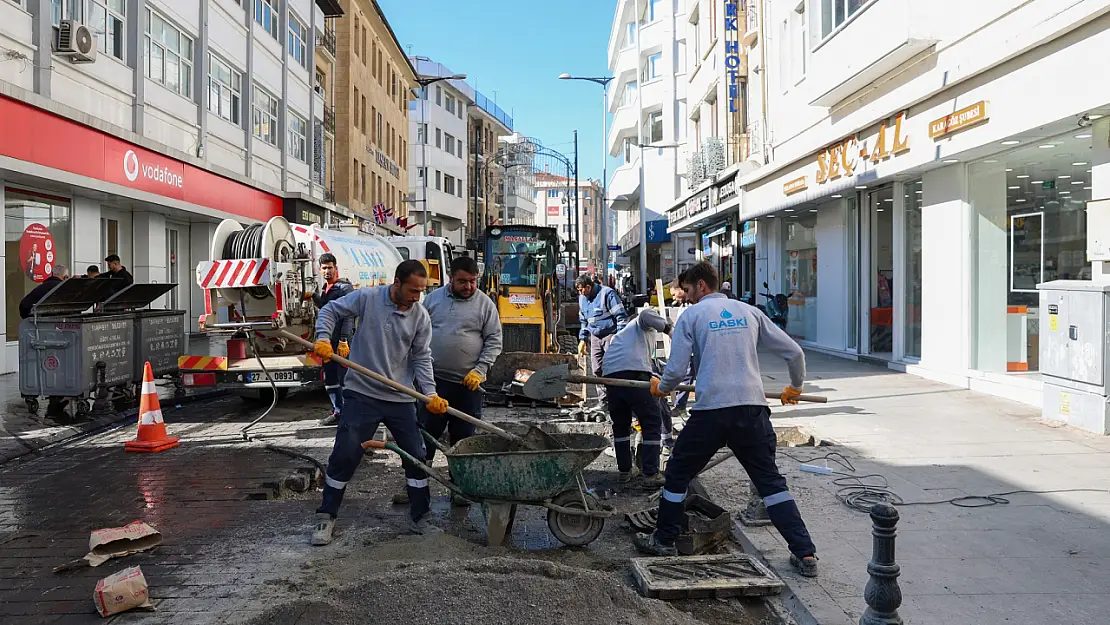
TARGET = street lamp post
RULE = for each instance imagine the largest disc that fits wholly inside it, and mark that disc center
(424, 81)
(603, 231)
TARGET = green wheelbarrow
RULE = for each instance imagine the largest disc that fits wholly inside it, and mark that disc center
(487, 470)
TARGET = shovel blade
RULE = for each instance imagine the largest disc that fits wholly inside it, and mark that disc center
(548, 383)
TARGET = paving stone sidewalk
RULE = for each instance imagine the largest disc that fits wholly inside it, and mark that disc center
(1038, 559)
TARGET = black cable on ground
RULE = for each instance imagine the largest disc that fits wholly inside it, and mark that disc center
(861, 492)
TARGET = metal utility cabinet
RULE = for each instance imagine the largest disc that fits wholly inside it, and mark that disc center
(1075, 352)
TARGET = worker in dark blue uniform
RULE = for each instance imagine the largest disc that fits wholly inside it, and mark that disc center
(602, 315)
(334, 373)
(731, 410)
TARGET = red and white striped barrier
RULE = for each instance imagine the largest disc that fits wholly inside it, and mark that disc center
(233, 274)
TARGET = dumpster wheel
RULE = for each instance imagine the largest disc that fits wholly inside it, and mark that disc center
(572, 529)
(32, 405)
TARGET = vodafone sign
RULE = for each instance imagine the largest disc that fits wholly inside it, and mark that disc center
(31, 134)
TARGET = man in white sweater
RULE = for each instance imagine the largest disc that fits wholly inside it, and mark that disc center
(731, 409)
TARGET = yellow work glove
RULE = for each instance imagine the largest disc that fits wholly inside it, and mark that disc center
(437, 404)
(323, 349)
(655, 388)
(582, 348)
(473, 380)
(344, 349)
(790, 395)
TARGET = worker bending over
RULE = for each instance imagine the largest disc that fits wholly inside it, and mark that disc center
(629, 358)
(393, 339)
(466, 340)
(602, 315)
(731, 410)
(334, 373)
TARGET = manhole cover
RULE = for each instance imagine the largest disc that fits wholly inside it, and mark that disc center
(697, 577)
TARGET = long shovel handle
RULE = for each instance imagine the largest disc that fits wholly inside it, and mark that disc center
(586, 379)
(401, 388)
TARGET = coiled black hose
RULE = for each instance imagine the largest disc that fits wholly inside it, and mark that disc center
(247, 243)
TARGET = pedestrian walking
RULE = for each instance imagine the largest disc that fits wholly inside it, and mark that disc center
(629, 357)
(393, 339)
(731, 410)
(466, 340)
(334, 373)
(602, 315)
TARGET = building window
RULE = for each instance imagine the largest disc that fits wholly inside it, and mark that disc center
(439, 96)
(439, 180)
(106, 20)
(654, 130)
(420, 171)
(459, 145)
(654, 67)
(363, 35)
(835, 12)
(298, 137)
(224, 89)
(298, 41)
(28, 218)
(630, 35)
(355, 109)
(680, 57)
(168, 55)
(422, 133)
(449, 185)
(461, 109)
(362, 190)
(266, 15)
(65, 10)
(379, 129)
(439, 138)
(321, 83)
(265, 116)
(449, 104)
(449, 143)
(654, 10)
(552, 193)
(363, 109)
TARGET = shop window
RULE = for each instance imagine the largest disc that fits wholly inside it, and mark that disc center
(168, 57)
(37, 236)
(799, 275)
(1029, 208)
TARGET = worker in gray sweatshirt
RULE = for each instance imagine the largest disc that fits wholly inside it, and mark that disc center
(393, 339)
(629, 357)
(466, 340)
(731, 410)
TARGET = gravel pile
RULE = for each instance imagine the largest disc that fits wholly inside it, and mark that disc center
(486, 591)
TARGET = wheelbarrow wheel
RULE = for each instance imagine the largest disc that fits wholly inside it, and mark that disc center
(572, 529)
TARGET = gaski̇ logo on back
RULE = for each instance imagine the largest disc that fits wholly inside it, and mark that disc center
(727, 321)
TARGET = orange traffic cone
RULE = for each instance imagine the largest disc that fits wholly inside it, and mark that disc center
(152, 430)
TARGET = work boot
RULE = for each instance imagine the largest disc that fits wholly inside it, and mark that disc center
(653, 482)
(401, 498)
(806, 566)
(321, 534)
(331, 419)
(423, 526)
(647, 544)
(626, 477)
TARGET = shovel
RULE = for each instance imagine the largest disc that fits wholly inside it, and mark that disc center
(536, 439)
(551, 383)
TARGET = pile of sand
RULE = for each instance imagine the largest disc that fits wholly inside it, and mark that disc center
(485, 591)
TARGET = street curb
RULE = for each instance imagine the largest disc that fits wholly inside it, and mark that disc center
(794, 605)
(96, 426)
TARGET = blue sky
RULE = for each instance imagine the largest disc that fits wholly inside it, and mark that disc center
(514, 50)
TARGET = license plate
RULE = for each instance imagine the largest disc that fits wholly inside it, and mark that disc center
(276, 376)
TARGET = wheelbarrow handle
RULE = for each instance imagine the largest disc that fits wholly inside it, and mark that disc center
(432, 473)
(586, 379)
(401, 388)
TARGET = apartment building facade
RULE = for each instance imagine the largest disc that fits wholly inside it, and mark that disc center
(576, 220)
(648, 103)
(487, 123)
(439, 147)
(374, 82)
(919, 187)
(132, 127)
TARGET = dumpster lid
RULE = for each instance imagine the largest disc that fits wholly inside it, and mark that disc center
(76, 295)
(136, 296)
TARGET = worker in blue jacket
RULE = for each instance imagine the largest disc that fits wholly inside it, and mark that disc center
(334, 373)
(602, 315)
(731, 410)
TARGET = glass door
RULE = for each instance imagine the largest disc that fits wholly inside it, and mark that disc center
(881, 272)
(912, 201)
(852, 271)
(173, 275)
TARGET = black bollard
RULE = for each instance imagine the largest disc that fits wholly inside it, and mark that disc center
(883, 596)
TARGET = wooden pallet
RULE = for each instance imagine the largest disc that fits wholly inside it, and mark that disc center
(698, 577)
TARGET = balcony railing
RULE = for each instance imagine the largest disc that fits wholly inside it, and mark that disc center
(329, 119)
(326, 38)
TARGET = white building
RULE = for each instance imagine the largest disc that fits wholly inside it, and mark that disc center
(515, 162)
(555, 206)
(647, 99)
(926, 173)
(439, 146)
(180, 114)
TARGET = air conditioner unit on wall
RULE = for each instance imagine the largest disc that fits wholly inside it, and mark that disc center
(76, 41)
